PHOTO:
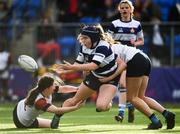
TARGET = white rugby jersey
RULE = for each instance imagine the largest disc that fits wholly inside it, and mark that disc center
(102, 55)
(4, 56)
(28, 114)
(125, 31)
(126, 53)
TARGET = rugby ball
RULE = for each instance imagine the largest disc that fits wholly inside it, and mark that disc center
(27, 63)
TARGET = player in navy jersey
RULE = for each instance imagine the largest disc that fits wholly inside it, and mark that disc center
(138, 66)
(97, 60)
(38, 101)
(129, 32)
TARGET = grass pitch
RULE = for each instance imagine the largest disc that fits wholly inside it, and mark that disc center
(86, 120)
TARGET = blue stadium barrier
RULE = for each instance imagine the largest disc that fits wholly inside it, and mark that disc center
(164, 84)
(34, 8)
(88, 19)
(67, 44)
(164, 3)
(20, 82)
(145, 47)
(177, 45)
(165, 13)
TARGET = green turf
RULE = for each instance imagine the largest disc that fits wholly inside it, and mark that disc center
(86, 120)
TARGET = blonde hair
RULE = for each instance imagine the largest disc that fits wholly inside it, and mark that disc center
(106, 36)
(129, 3)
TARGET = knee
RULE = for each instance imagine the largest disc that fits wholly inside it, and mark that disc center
(103, 107)
(100, 108)
(131, 99)
(143, 98)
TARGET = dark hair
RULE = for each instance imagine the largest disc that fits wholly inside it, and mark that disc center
(92, 32)
(43, 83)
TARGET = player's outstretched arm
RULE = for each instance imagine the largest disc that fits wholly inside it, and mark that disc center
(67, 89)
(62, 110)
(78, 67)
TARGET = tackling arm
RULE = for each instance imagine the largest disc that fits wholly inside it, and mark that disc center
(121, 67)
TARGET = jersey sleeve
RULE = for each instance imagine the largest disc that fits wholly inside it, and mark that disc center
(111, 28)
(42, 104)
(101, 53)
(140, 32)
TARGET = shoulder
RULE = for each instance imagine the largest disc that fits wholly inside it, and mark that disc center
(102, 47)
(41, 103)
(103, 43)
(116, 22)
(135, 22)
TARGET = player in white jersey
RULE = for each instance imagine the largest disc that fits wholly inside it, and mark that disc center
(97, 60)
(138, 66)
(38, 101)
(129, 32)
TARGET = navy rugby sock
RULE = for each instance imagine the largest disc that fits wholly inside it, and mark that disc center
(154, 119)
(165, 113)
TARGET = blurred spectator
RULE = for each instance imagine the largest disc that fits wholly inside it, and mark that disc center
(138, 7)
(3, 27)
(4, 73)
(79, 10)
(26, 10)
(147, 11)
(46, 44)
(89, 11)
(158, 48)
(175, 13)
(3, 11)
(33, 10)
(150, 12)
(110, 11)
(20, 12)
(67, 10)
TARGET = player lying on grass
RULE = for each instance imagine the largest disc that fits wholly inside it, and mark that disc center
(39, 100)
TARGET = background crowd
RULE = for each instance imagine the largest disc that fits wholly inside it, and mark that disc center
(45, 21)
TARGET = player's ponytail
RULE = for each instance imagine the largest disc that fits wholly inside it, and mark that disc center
(105, 36)
(43, 83)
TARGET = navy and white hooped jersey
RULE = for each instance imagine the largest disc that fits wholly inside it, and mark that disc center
(126, 53)
(28, 114)
(102, 55)
(125, 31)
